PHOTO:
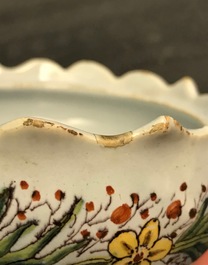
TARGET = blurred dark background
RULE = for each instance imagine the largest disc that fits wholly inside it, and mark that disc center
(166, 37)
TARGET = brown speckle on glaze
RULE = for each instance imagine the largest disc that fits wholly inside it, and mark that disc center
(35, 123)
(180, 127)
(177, 124)
(50, 123)
(61, 127)
(72, 132)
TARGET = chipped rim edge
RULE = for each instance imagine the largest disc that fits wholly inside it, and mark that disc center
(160, 126)
(93, 77)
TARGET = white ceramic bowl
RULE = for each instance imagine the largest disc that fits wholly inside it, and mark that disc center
(99, 169)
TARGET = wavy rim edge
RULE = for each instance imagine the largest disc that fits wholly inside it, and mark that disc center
(160, 126)
(183, 95)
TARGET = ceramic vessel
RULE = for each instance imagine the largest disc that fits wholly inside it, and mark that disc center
(98, 169)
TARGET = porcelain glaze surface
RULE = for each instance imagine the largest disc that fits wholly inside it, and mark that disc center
(97, 169)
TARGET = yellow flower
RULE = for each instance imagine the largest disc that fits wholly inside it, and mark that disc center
(130, 248)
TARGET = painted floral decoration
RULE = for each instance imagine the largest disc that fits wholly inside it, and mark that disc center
(89, 239)
(130, 248)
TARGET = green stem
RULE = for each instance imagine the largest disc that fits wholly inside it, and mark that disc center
(189, 232)
(99, 261)
(189, 243)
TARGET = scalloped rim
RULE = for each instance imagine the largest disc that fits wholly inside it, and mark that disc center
(93, 77)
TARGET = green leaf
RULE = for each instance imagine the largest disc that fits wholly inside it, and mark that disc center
(5, 201)
(31, 250)
(193, 253)
(201, 228)
(56, 256)
(10, 239)
(196, 251)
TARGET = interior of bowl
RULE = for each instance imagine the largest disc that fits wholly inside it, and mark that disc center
(94, 113)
